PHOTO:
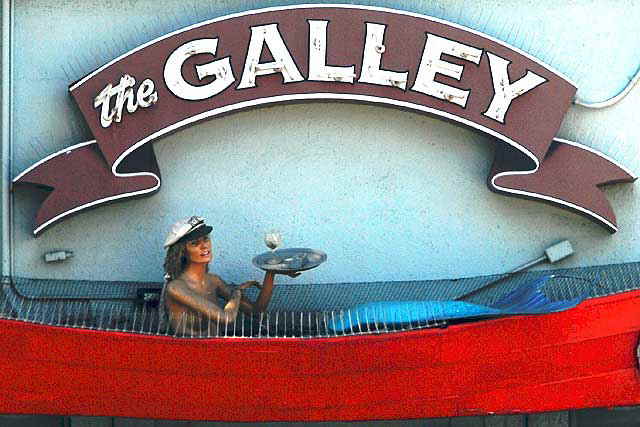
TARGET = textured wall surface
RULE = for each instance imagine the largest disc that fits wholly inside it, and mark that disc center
(388, 194)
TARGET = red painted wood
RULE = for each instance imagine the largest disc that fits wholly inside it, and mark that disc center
(584, 357)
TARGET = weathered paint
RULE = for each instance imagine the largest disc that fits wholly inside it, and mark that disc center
(420, 226)
(540, 364)
(311, 170)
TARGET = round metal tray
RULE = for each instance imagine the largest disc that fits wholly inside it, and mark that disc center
(289, 260)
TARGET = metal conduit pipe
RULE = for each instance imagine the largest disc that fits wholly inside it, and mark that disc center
(613, 100)
(5, 125)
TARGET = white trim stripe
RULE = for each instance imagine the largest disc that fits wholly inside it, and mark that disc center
(321, 96)
(592, 214)
(87, 205)
(51, 156)
(597, 153)
(325, 96)
(97, 202)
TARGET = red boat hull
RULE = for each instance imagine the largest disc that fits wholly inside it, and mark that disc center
(583, 357)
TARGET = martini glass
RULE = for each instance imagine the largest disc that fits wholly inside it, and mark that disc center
(273, 239)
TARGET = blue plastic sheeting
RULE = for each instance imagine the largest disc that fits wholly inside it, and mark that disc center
(527, 299)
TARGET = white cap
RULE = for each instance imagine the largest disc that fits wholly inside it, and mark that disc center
(186, 227)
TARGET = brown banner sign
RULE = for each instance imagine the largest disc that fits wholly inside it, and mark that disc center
(320, 52)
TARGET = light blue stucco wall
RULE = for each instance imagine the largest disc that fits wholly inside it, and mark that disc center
(388, 194)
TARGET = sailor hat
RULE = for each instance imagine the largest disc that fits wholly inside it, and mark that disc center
(187, 229)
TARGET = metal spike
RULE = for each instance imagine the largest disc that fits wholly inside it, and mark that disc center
(128, 317)
(260, 327)
(86, 314)
(405, 328)
(36, 313)
(358, 321)
(172, 330)
(3, 313)
(79, 315)
(33, 316)
(114, 318)
(292, 331)
(286, 325)
(110, 319)
(300, 329)
(159, 322)
(190, 324)
(120, 318)
(295, 330)
(143, 319)
(59, 305)
(49, 314)
(234, 325)
(324, 323)
(168, 326)
(29, 309)
(76, 319)
(101, 318)
(191, 319)
(208, 327)
(68, 314)
(40, 313)
(180, 323)
(375, 322)
(19, 310)
(13, 312)
(251, 323)
(384, 323)
(135, 317)
(333, 322)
